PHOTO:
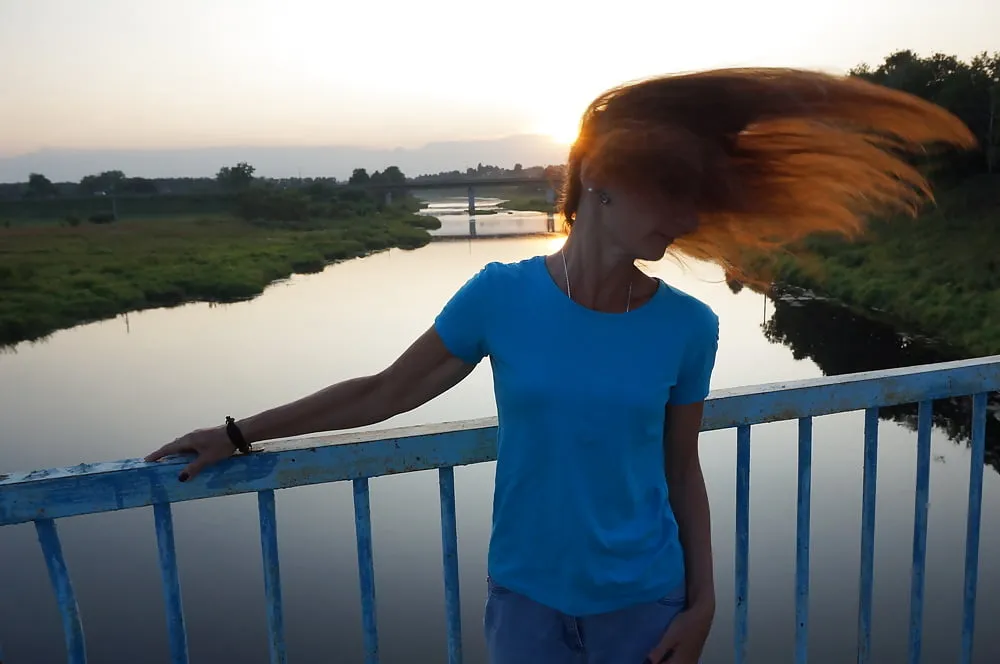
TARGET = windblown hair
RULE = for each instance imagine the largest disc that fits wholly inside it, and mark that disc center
(767, 155)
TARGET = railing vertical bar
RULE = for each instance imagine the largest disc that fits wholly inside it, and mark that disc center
(802, 541)
(171, 583)
(921, 499)
(742, 539)
(867, 536)
(449, 549)
(366, 568)
(272, 575)
(973, 524)
(48, 538)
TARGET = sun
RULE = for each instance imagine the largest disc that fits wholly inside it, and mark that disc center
(562, 130)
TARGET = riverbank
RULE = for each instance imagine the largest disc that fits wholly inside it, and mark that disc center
(57, 276)
(937, 275)
(529, 203)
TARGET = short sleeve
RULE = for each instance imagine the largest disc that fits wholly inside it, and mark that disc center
(697, 364)
(462, 322)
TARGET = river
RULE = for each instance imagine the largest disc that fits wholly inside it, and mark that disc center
(119, 388)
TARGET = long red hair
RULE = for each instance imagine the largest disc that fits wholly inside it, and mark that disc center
(768, 155)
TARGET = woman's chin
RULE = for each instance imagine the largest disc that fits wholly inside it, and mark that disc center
(655, 251)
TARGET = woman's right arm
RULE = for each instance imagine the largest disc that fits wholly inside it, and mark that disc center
(425, 370)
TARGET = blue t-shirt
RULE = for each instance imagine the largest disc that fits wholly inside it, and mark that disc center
(581, 517)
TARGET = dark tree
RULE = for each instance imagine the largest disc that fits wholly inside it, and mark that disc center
(40, 186)
(359, 176)
(239, 176)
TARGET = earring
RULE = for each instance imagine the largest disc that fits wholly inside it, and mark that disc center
(602, 196)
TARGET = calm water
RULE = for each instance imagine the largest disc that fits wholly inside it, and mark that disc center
(452, 211)
(119, 388)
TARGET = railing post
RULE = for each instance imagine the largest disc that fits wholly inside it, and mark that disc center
(366, 568)
(176, 632)
(921, 499)
(48, 538)
(869, 483)
(802, 541)
(472, 201)
(742, 541)
(973, 523)
(449, 549)
(272, 575)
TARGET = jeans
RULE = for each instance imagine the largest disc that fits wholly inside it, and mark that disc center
(522, 631)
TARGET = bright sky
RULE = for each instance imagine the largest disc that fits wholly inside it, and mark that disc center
(184, 73)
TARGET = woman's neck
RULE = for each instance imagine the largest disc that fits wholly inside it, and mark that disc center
(600, 277)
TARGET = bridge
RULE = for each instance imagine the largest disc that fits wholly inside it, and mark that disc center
(46, 496)
(470, 185)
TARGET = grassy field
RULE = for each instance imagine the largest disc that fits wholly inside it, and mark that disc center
(79, 210)
(54, 276)
(938, 275)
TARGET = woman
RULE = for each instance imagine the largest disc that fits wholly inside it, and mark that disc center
(600, 550)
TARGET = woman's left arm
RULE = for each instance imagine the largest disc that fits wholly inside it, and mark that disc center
(689, 500)
(685, 638)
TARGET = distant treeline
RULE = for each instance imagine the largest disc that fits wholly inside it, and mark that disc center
(231, 179)
(970, 90)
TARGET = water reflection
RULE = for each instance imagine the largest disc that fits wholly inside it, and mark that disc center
(490, 220)
(840, 341)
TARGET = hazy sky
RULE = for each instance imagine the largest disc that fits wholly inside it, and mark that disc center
(137, 73)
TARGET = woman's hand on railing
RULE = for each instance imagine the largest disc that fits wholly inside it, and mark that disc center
(425, 370)
(210, 445)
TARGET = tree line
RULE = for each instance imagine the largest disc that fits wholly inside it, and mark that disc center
(969, 90)
(239, 177)
(115, 183)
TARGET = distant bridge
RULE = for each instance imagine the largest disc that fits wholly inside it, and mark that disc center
(478, 182)
(469, 184)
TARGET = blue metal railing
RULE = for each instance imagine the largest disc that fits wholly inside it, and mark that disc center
(45, 495)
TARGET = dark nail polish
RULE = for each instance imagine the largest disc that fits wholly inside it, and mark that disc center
(183, 477)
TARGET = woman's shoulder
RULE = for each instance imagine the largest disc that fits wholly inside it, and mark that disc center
(689, 308)
(508, 273)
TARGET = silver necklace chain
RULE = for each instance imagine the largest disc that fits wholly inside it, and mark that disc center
(569, 291)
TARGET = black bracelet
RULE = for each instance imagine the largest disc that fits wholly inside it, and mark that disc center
(236, 436)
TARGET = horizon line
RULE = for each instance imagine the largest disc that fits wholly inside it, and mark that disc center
(280, 146)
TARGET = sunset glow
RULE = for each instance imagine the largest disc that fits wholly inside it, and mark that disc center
(199, 75)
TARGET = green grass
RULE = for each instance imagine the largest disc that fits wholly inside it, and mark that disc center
(56, 276)
(55, 210)
(938, 275)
